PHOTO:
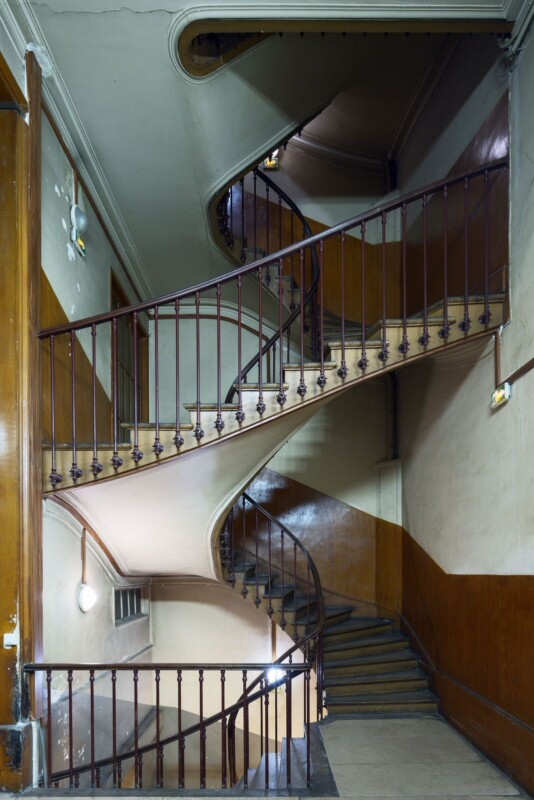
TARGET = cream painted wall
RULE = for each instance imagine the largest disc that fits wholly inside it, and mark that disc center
(468, 478)
(337, 451)
(200, 621)
(82, 285)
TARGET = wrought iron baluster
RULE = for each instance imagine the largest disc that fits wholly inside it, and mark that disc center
(342, 371)
(198, 432)
(405, 344)
(219, 423)
(484, 318)
(465, 323)
(260, 406)
(321, 380)
(75, 471)
(96, 467)
(157, 446)
(363, 363)
(178, 438)
(384, 352)
(301, 390)
(424, 339)
(116, 460)
(445, 330)
(137, 455)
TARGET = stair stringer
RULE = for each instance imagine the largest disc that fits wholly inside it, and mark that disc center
(166, 521)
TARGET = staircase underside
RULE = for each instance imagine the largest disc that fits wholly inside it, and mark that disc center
(164, 498)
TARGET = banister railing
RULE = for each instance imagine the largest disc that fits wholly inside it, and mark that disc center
(269, 545)
(393, 262)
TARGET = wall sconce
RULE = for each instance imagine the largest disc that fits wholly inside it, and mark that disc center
(86, 593)
(271, 162)
(79, 224)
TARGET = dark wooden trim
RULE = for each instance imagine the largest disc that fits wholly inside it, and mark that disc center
(9, 88)
(78, 180)
(267, 27)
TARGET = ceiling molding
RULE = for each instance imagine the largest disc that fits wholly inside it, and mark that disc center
(423, 93)
(522, 11)
(339, 158)
(25, 29)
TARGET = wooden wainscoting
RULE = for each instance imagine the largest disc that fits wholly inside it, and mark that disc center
(358, 555)
(476, 632)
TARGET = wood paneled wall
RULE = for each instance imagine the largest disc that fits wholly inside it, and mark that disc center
(476, 633)
(358, 556)
(489, 140)
(53, 314)
(20, 456)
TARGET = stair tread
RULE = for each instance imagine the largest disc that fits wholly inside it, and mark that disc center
(383, 638)
(163, 426)
(267, 387)
(315, 365)
(423, 695)
(358, 624)
(374, 658)
(375, 677)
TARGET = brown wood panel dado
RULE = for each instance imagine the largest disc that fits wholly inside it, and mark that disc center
(53, 314)
(358, 556)
(476, 632)
(20, 461)
(280, 235)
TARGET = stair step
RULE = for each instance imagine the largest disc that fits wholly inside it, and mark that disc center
(376, 683)
(333, 614)
(391, 702)
(163, 426)
(412, 322)
(354, 344)
(266, 387)
(361, 646)
(392, 661)
(311, 365)
(357, 627)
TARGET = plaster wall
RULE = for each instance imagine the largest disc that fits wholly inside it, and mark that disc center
(82, 285)
(468, 480)
(338, 450)
(197, 621)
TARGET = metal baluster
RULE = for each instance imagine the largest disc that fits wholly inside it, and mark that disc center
(157, 446)
(219, 424)
(116, 460)
(257, 601)
(295, 591)
(119, 774)
(55, 477)
(97, 771)
(342, 371)
(283, 621)
(384, 352)
(136, 728)
(267, 229)
(276, 721)
(319, 673)
(244, 590)
(254, 180)
(140, 770)
(308, 726)
(321, 380)
(288, 728)
(75, 472)
(246, 752)
(231, 193)
(49, 726)
(178, 438)
(485, 317)
(92, 698)
(239, 414)
(270, 609)
(281, 396)
(266, 747)
(223, 733)
(405, 344)
(301, 390)
(445, 330)
(114, 723)
(202, 732)
(308, 626)
(292, 305)
(137, 455)
(424, 339)
(159, 776)
(199, 433)
(243, 237)
(465, 323)
(363, 362)
(71, 721)
(181, 744)
(279, 222)
(260, 407)
(96, 467)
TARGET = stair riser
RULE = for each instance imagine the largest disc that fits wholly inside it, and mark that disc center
(364, 650)
(376, 688)
(383, 708)
(332, 638)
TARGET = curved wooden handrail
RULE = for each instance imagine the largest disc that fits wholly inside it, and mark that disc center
(310, 296)
(285, 252)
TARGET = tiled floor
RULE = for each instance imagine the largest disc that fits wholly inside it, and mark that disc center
(404, 758)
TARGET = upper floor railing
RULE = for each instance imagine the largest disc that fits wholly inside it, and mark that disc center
(395, 262)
